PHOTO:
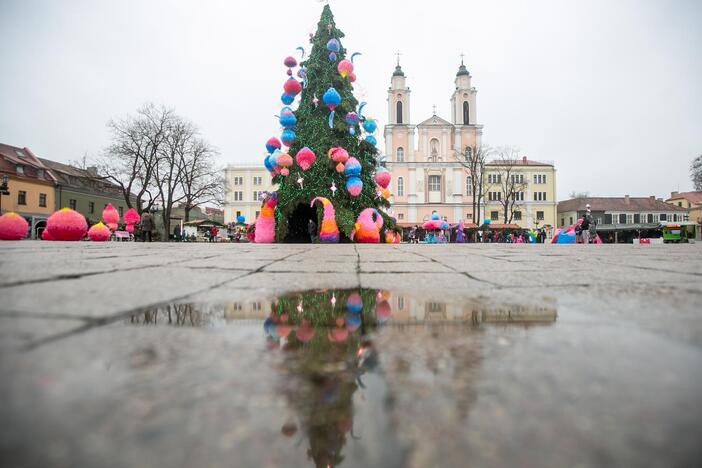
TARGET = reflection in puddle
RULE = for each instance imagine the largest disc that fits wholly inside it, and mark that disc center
(328, 344)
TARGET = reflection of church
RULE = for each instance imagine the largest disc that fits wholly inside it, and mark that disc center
(426, 177)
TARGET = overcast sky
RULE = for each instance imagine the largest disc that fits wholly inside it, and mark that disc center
(609, 90)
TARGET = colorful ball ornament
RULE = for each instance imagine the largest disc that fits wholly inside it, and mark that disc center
(268, 164)
(382, 177)
(287, 99)
(340, 167)
(13, 226)
(287, 118)
(331, 98)
(241, 219)
(285, 161)
(332, 57)
(352, 167)
(352, 77)
(290, 62)
(305, 158)
(351, 120)
(67, 225)
(99, 233)
(272, 144)
(333, 45)
(371, 139)
(383, 309)
(292, 87)
(354, 303)
(345, 68)
(354, 186)
(339, 154)
(288, 136)
(370, 125)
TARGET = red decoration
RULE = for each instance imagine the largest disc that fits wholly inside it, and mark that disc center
(99, 233)
(13, 227)
(292, 87)
(131, 217)
(382, 178)
(305, 158)
(67, 225)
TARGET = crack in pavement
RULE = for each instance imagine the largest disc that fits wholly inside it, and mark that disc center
(464, 273)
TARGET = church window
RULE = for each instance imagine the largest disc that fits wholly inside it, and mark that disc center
(399, 112)
(434, 183)
(400, 154)
(469, 186)
(434, 150)
(400, 186)
(466, 116)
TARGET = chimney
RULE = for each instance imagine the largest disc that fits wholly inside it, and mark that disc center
(92, 171)
(524, 159)
(673, 194)
(626, 199)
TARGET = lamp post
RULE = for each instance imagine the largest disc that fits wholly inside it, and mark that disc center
(3, 188)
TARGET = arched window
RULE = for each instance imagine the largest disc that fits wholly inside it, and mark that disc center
(400, 186)
(400, 154)
(398, 111)
(434, 150)
(469, 186)
(466, 114)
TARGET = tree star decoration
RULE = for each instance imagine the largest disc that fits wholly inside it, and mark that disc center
(300, 181)
(333, 189)
(333, 300)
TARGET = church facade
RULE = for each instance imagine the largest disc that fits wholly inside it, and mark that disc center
(427, 177)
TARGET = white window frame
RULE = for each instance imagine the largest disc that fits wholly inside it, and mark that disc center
(400, 186)
(435, 182)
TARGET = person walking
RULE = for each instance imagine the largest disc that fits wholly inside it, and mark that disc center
(213, 234)
(585, 226)
(147, 225)
(176, 232)
(312, 230)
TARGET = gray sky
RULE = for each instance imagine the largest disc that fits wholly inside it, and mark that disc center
(609, 90)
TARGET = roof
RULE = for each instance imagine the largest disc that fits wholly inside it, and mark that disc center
(81, 179)
(462, 70)
(436, 121)
(398, 71)
(12, 156)
(519, 162)
(617, 204)
(693, 197)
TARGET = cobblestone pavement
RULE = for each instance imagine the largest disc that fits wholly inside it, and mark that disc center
(615, 380)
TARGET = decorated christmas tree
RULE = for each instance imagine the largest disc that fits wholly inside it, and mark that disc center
(329, 172)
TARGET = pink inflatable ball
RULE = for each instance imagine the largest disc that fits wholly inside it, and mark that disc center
(382, 178)
(13, 226)
(67, 225)
(99, 233)
(46, 236)
(305, 158)
(110, 216)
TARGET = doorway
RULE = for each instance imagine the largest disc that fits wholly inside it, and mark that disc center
(298, 222)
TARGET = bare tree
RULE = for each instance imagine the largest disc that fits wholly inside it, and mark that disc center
(510, 180)
(696, 172)
(473, 159)
(575, 194)
(132, 158)
(202, 180)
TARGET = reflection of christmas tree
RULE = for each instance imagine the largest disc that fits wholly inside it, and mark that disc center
(330, 175)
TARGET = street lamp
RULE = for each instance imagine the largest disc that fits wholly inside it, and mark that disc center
(3, 188)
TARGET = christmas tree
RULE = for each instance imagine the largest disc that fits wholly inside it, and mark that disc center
(328, 156)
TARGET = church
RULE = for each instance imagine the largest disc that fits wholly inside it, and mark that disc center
(428, 177)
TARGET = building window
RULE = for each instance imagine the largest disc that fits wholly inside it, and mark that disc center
(539, 178)
(494, 215)
(40, 173)
(91, 207)
(238, 181)
(256, 306)
(680, 204)
(256, 195)
(42, 200)
(434, 183)
(539, 215)
(539, 196)
(494, 196)
(400, 154)
(563, 221)
(237, 306)
(20, 170)
(238, 213)
(400, 186)
(571, 220)
(121, 211)
(466, 114)
(398, 111)
(257, 180)
(469, 216)
(434, 150)
(630, 219)
(21, 197)
(469, 186)
(400, 302)
(518, 196)
(517, 178)
(238, 196)
(494, 178)
(72, 203)
(622, 218)
(663, 217)
(517, 215)
(400, 216)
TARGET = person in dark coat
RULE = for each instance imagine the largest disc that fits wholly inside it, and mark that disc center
(147, 225)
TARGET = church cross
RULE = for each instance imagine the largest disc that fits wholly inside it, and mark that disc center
(462, 55)
(434, 109)
(398, 53)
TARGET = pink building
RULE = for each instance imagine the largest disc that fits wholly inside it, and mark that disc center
(427, 177)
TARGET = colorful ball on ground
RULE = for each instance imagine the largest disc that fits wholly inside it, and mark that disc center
(99, 233)
(288, 136)
(382, 177)
(352, 167)
(13, 226)
(331, 98)
(354, 186)
(354, 303)
(290, 62)
(292, 86)
(370, 125)
(272, 144)
(305, 158)
(333, 45)
(345, 68)
(371, 139)
(67, 225)
(287, 99)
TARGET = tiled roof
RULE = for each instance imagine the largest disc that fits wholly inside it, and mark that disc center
(81, 179)
(519, 162)
(12, 156)
(617, 204)
(693, 197)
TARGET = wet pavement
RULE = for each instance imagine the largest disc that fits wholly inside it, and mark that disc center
(244, 355)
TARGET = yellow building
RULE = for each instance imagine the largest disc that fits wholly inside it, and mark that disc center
(243, 187)
(30, 187)
(533, 204)
(692, 202)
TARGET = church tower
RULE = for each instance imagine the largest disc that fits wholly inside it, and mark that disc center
(399, 133)
(463, 110)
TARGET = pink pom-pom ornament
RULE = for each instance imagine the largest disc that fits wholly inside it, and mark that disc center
(339, 155)
(13, 226)
(345, 68)
(110, 216)
(67, 225)
(305, 158)
(99, 233)
(131, 217)
(292, 87)
(382, 178)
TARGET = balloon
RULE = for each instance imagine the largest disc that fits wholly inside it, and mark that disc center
(287, 99)
(486, 221)
(333, 45)
(371, 139)
(305, 158)
(382, 178)
(345, 68)
(292, 86)
(272, 144)
(290, 62)
(352, 167)
(370, 125)
(354, 186)
(240, 219)
(288, 136)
